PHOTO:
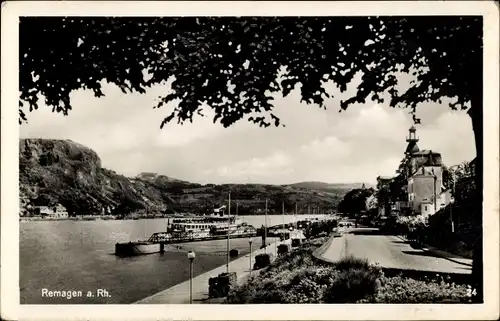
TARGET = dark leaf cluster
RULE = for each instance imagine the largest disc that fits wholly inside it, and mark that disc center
(234, 65)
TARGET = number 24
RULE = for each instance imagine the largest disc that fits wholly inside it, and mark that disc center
(471, 292)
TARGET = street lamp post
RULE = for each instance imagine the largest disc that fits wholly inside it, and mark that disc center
(250, 243)
(191, 255)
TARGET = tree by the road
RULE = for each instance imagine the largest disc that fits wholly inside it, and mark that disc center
(463, 170)
(396, 188)
(354, 202)
(231, 65)
(383, 196)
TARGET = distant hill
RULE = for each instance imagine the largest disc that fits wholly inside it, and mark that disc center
(65, 172)
(158, 179)
(329, 186)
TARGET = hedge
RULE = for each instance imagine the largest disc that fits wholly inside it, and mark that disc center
(297, 277)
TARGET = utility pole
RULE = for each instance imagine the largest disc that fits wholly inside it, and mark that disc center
(283, 211)
(434, 192)
(265, 231)
(228, 233)
(452, 202)
(295, 217)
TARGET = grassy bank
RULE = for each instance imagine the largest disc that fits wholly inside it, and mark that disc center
(298, 277)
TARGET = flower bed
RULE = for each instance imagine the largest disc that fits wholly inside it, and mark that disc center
(297, 277)
(407, 290)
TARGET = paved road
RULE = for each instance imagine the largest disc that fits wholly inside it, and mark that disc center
(391, 252)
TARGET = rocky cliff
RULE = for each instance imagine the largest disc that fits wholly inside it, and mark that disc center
(65, 172)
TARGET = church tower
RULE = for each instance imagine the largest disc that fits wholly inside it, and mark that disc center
(412, 148)
(412, 141)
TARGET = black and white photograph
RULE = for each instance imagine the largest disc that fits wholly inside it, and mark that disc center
(198, 154)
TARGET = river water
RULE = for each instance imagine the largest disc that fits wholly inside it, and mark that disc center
(79, 256)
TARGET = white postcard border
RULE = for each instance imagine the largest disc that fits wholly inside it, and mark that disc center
(11, 309)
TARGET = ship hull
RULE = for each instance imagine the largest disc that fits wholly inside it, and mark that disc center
(136, 248)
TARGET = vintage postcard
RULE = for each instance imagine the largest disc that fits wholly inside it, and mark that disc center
(250, 160)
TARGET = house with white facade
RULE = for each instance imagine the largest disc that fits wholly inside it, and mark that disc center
(424, 190)
(424, 169)
(57, 211)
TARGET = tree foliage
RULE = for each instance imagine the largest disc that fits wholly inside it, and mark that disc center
(397, 191)
(461, 172)
(354, 202)
(231, 65)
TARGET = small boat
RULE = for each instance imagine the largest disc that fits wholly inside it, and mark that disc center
(137, 248)
(155, 244)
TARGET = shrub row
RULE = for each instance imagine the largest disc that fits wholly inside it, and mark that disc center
(406, 290)
(321, 228)
(298, 277)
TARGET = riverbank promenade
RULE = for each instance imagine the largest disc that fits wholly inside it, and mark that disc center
(179, 293)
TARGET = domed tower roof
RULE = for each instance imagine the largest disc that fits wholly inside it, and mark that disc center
(412, 148)
(412, 141)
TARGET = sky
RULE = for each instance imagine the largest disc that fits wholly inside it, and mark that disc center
(356, 145)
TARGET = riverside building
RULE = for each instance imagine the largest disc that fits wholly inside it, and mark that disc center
(421, 172)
